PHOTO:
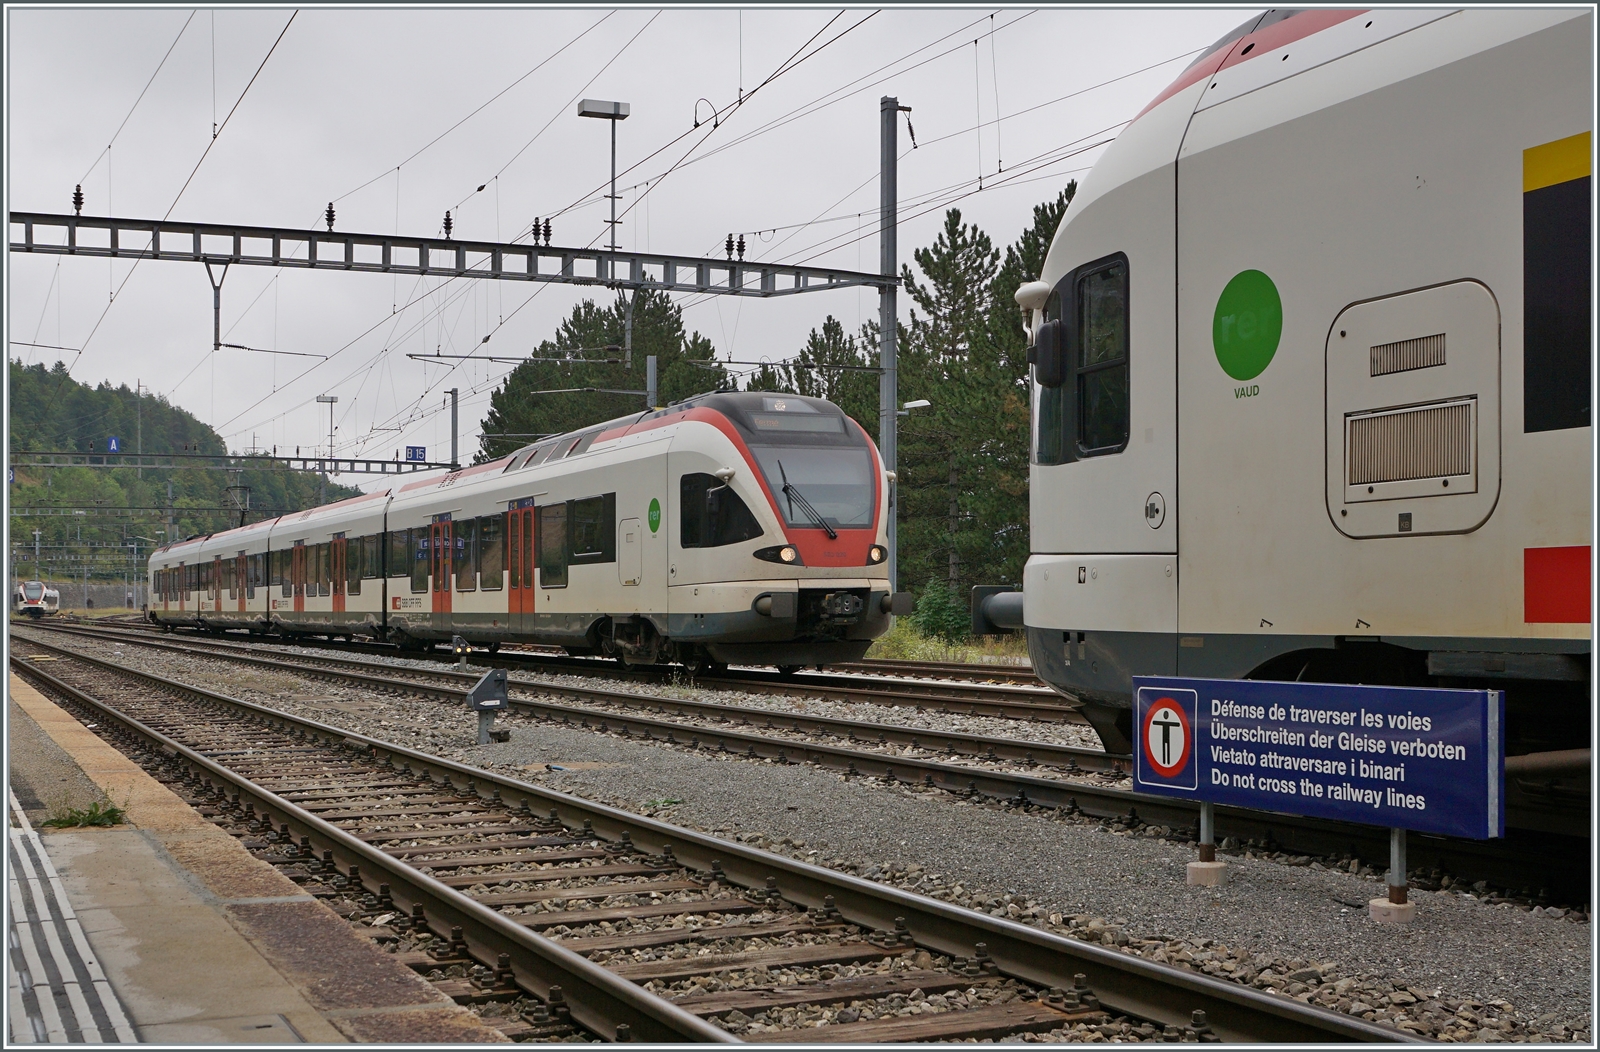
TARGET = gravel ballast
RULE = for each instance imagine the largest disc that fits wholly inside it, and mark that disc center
(1465, 970)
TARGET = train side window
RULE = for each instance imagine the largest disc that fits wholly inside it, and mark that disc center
(419, 559)
(371, 547)
(552, 546)
(491, 552)
(354, 570)
(466, 560)
(1102, 366)
(399, 563)
(592, 529)
(711, 514)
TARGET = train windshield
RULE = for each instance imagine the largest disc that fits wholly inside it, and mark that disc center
(33, 591)
(836, 482)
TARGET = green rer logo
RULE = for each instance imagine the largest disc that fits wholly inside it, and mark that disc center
(1247, 325)
(655, 514)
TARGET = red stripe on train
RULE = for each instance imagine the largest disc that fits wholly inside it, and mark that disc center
(1555, 585)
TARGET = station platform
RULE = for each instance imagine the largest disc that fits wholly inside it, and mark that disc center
(166, 930)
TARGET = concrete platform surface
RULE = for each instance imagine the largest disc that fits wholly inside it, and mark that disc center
(202, 942)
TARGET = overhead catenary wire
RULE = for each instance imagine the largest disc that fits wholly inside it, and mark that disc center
(168, 214)
(112, 141)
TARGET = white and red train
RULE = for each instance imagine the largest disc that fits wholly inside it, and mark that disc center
(35, 599)
(733, 527)
(1312, 391)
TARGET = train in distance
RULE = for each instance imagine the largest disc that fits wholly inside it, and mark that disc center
(34, 599)
(731, 527)
(1311, 374)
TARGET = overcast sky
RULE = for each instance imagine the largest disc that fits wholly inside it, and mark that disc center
(350, 96)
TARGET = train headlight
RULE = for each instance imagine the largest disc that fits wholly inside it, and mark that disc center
(876, 554)
(786, 554)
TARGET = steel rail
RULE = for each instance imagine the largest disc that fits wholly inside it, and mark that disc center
(1124, 983)
(978, 745)
(1503, 864)
(599, 999)
(975, 699)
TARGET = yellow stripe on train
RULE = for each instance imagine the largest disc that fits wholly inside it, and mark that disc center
(1556, 162)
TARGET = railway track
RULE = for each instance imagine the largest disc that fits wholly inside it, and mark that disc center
(585, 918)
(1077, 781)
(1021, 699)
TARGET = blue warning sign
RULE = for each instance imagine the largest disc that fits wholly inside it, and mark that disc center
(1417, 758)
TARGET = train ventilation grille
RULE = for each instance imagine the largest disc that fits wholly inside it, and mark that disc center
(1402, 356)
(1420, 443)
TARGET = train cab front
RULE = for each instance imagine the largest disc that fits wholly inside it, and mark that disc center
(781, 544)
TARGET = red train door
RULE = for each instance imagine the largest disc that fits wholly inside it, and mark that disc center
(337, 554)
(241, 577)
(519, 541)
(441, 552)
(297, 574)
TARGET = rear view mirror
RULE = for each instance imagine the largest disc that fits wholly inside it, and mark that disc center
(1046, 354)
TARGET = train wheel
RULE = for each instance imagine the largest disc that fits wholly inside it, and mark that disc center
(494, 648)
(788, 670)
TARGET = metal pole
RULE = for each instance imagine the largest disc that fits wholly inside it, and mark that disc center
(455, 427)
(650, 381)
(889, 266)
(627, 327)
(1397, 866)
(1208, 832)
(612, 262)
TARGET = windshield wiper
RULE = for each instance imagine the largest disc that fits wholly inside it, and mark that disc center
(796, 497)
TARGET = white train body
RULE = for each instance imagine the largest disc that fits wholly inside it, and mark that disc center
(1398, 487)
(35, 599)
(666, 536)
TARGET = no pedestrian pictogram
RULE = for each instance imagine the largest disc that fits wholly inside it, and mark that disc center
(1166, 738)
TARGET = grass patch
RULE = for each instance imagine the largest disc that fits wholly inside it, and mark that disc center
(96, 814)
(904, 642)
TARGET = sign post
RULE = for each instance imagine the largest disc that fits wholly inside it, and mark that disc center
(1427, 759)
(487, 697)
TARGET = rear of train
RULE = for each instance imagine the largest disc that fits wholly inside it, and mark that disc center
(1312, 398)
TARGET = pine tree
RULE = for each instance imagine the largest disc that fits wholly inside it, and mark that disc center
(579, 378)
(831, 365)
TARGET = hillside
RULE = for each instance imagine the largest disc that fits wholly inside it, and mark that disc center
(50, 411)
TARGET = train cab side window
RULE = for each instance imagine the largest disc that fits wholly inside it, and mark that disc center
(491, 552)
(1102, 366)
(592, 529)
(710, 514)
(466, 555)
(419, 559)
(1088, 414)
(552, 546)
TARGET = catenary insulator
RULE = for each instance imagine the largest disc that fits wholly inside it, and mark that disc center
(77, 200)
(447, 225)
(329, 215)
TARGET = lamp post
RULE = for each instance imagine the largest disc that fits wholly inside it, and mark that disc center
(613, 112)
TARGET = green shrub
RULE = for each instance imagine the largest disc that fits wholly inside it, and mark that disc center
(96, 814)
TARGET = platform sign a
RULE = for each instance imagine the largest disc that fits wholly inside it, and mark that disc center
(1164, 753)
(1420, 758)
(113, 444)
(417, 453)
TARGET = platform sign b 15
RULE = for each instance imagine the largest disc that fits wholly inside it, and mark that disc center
(417, 453)
(1426, 759)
